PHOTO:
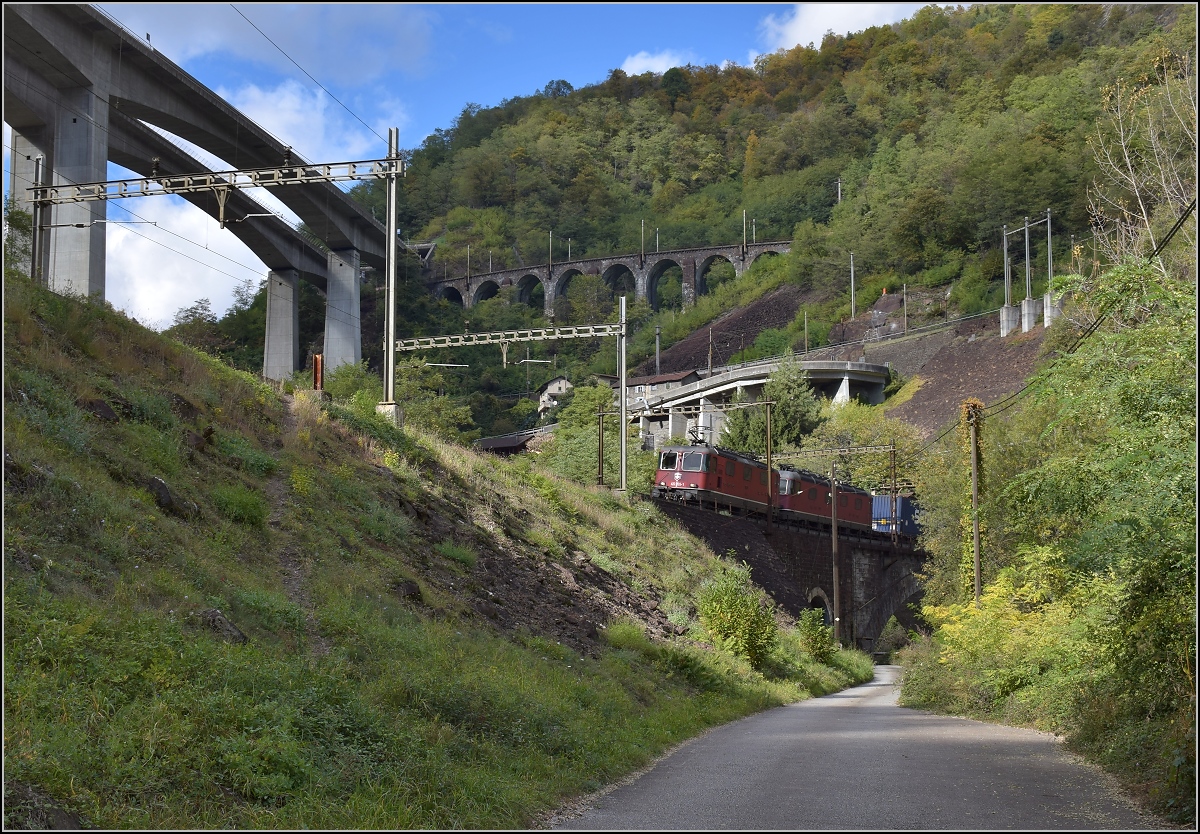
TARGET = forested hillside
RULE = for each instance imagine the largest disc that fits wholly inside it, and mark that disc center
(423, 636)
(935, 132)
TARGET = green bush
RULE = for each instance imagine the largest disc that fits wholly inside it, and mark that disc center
(734, 614)
(816, 638)
(237, 503)
(460, 554)
(243, 453)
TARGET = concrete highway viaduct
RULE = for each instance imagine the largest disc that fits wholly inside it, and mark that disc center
(79, 91)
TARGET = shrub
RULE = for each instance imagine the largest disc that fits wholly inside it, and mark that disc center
(627, 634)
(816, 638)
(239, 504)
(737, 618)
(457, 552)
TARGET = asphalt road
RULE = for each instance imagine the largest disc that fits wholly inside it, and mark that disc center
(857, 761)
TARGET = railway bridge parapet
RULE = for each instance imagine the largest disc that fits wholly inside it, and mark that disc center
(877, 578)
(637, 272)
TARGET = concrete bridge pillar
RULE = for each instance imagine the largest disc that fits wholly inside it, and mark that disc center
(1010, 318)
(26, 148)
(843, 391)
(1031, 311)
(343, 320)
(281, 353)
(676, 423)
(78, 142)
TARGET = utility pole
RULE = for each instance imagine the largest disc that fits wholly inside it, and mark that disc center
(837, 631)
(1049, 253)
(710, 351)
(35, 263)
(600, 419)
(905, 296)
(895, 521)
(770, 472)
(657, 348)
(973, 420)
(388, 406)
(839, 185)
(1007, 270)
(642, 256)
(852, 285)
(753, 231)
(806, 330)
(624, 404)
(1028, 275)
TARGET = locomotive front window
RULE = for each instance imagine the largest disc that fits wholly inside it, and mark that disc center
(668, 460)
(693, 462)
(785, 486)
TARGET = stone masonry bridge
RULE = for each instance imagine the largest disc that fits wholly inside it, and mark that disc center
(638, 272)
(877, 578)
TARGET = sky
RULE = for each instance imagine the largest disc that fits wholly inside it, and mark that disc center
(331, 79)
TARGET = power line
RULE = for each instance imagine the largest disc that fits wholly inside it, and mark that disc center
(1012, 399)
(306, 72)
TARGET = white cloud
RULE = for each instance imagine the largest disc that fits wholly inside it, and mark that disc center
(337, 43)
(659, 62)
(308, 120)
(807, 23)
(154, 270)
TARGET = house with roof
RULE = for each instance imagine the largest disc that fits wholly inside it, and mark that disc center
(549, 393)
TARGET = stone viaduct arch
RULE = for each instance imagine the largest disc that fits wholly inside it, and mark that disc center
(636, 273)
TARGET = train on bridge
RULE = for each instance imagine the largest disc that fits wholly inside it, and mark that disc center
(711, 476)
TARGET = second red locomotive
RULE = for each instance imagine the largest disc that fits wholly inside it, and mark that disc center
(710, 475)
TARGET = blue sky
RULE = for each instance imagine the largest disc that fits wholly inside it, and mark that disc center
(329, 80)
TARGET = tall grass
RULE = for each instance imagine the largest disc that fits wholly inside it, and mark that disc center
(350, 705)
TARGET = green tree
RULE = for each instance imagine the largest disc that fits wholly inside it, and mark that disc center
(795, 414)
(196, 325)
(18, 237)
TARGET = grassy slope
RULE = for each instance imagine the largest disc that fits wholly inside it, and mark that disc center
(355, 559)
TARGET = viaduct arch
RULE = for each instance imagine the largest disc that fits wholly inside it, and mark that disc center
(644, 269)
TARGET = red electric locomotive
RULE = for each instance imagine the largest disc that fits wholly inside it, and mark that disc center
(805, 494)
(724, 478)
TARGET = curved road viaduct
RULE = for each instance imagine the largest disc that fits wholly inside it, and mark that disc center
(78, 89)
(646, 270)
